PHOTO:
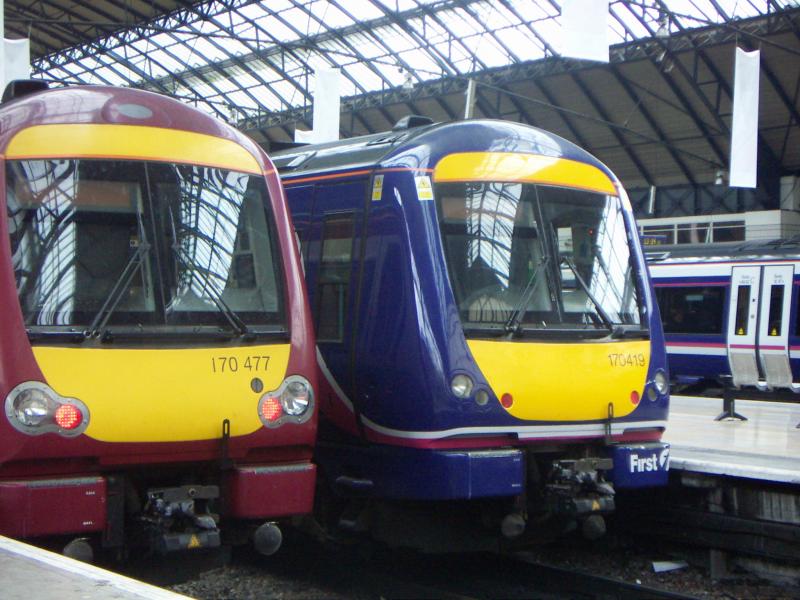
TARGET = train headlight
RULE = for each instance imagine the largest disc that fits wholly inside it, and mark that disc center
(461, 386)
(34, 408)
(292, 402)
(295, 399)
(661, 383)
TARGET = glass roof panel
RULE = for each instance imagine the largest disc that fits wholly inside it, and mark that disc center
(398, 5)
(241, 99)
(364, 10)
(368, 78)
(391, 41)
(367, 45)
(331, 15)
(533, 11)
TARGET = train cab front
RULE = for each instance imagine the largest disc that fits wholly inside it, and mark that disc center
(563, 346)
(154, 368)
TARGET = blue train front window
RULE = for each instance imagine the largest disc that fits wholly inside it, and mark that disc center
(141, 244)
(537, 257)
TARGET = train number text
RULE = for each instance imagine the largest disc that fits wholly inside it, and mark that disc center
(232, 364)
(626, 360)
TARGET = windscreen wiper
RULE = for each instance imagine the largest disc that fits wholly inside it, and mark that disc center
(135, 262)
(600, 311)
(202, 278)
(37, 333)
(512, 325)
(236, 322)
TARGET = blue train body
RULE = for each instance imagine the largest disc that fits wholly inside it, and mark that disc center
(731, 311)
(438, 393)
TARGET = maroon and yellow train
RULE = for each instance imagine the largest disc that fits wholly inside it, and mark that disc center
(156, 352)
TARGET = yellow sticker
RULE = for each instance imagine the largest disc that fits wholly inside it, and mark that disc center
(377, 188)
(194, 542)
(424, 187)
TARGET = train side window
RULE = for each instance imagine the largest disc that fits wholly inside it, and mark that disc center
(334, 276)
(742, 306)
(691, 309)
(775, 317)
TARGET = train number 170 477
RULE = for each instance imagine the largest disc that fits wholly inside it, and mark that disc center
(232, 364)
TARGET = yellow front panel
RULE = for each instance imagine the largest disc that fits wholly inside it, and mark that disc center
(525, 168)
(564, 382)
(165, 395)
(130, 142)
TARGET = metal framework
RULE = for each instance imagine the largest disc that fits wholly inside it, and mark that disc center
(659, 112)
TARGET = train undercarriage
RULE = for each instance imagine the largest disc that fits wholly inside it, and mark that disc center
(560, 493)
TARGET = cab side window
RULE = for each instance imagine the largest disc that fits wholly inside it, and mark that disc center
(334, 276)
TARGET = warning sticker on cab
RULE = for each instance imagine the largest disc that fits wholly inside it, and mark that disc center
(424, 187)
(377, 188)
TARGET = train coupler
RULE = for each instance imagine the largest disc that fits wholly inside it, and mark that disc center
(576, 487)
(179, 518)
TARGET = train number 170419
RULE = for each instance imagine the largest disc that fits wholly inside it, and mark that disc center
(622, 359)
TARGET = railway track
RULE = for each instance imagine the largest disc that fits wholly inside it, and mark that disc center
(512, 577)
(306, 569)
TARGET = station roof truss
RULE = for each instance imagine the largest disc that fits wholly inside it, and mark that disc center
(658, 113)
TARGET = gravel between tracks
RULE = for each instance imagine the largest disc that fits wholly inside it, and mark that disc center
(308, 571)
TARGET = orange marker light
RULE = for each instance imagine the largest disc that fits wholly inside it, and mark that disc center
(271, 409)
(68, 417)
(635, 398)
(507, 400)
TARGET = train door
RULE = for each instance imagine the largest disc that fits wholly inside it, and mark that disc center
(758, 326)
(338, 219)
(742, 322)
(773, 327)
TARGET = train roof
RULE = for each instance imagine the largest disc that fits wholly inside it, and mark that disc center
(367, 150)
(90, 104)
(754, 249)
(470, 135)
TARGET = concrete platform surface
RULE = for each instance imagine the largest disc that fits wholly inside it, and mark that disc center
(765, 447)
(30, 573)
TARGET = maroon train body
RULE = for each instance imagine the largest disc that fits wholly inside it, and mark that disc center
(156, 351)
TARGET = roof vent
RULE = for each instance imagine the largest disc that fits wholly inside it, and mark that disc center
(22, 87)
(411, 121)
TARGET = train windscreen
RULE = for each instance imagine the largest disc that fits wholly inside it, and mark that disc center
(534, 257)
(142, 244)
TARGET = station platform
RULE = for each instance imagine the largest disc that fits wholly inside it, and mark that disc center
(765, 447)
(30, 573)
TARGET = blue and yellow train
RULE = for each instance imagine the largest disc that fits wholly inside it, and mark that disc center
(487, 333)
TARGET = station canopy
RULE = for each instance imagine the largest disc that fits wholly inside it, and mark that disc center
(252, 62)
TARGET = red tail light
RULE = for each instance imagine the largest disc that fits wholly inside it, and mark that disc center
(68, 416)
(507, 400)
(271, 409)
(635, 397)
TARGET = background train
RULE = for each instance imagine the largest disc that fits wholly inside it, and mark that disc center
(731, 311)
(156, 352)
(490, 344)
